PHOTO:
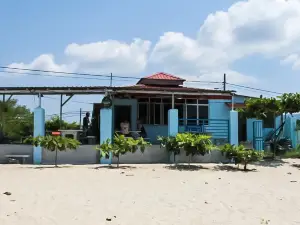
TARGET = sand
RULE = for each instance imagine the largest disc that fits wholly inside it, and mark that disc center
(150, 194)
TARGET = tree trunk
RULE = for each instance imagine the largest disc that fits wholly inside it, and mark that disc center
(118, 162)
(56, 157)
(190, 159)
(245, 166)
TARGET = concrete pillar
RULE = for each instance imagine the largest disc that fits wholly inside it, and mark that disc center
(173, 122)
(106, 130)
(234, 128)
(39, 130)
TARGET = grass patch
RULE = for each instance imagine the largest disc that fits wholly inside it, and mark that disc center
(292, 155)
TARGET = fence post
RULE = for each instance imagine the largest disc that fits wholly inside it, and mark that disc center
(39, 130)
(173, 122)
(106, 131)
(234, 128)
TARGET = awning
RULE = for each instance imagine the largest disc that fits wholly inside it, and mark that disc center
(236, 105)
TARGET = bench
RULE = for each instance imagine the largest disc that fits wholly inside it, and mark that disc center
(12, 158)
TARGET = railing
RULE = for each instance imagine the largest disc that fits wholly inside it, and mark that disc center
(217, 128)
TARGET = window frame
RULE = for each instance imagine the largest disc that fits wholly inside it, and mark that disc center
(185, 103)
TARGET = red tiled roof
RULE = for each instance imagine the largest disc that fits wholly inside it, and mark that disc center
(163, 76)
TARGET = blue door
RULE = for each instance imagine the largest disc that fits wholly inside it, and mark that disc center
(258, 139)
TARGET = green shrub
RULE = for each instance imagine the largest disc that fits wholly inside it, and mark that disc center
(122, 145)
(241, 155)
(54, 143)
(192, 144)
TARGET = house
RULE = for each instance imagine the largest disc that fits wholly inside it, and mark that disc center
(161, 101)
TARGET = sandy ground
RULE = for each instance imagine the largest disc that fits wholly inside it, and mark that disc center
(150, 194)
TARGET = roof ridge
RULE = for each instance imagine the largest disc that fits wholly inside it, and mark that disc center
(163, 74)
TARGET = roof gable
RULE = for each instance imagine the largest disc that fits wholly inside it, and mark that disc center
(161, 79)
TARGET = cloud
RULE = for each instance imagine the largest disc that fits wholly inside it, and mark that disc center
(266, 27)
(110, 56)
(105, 57)
(42, 62)
(293, 59)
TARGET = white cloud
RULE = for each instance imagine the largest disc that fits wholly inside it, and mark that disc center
(110, 56)
(42, 62)
(293, 59)
(266, 27)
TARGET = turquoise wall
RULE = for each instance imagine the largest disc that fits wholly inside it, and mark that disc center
(128, 102)
(217, 109)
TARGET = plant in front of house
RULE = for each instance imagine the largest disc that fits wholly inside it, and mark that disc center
(192, 144)
(54, 144)
(122, 145)
(170, 144)
(241, 155)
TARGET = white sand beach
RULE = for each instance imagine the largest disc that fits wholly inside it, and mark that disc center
(149, 194)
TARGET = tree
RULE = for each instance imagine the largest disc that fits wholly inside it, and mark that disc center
(54, 124)
(54, 144)
(260, 108)
(241, 155)
(122, 145)
(192, 144)
(16, 121)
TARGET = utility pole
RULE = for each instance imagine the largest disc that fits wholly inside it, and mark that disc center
(111, 78)
(80, 112)
(224, 82)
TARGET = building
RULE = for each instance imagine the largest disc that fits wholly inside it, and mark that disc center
(163, 104)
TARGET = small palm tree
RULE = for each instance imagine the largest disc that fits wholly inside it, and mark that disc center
(54, 144)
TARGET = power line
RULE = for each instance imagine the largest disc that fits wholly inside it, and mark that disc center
(68, 73)
(109, 77)
(89, 103)
(251, 88)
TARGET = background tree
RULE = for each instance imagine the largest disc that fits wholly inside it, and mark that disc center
(54, 124)
(16, 121)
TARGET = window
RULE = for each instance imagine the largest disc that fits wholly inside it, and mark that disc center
(167, 107)
(143, 112)
(155, 110)
(191, 114)
(203, 114)
(155, 113)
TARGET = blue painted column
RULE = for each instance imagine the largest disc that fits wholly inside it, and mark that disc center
(173, 122)
(39, 130)
(106, 130)
(234, 128)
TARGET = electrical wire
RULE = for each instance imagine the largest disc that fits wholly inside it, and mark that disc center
(88, 76)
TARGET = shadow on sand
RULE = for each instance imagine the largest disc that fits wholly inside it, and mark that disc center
(229, 168)
(114, 167)
(270, 163)
(296, 166)
(186, 167)
(47, 167)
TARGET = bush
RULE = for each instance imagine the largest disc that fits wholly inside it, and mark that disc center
(122, 145)
(54, 143)
(241, 155)
(192, 144)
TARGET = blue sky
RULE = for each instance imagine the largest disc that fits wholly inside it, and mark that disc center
(254, 42)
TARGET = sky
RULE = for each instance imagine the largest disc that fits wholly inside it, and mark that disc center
(254, 42)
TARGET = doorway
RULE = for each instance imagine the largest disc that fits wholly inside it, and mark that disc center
(121, 113)
(242, 127)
